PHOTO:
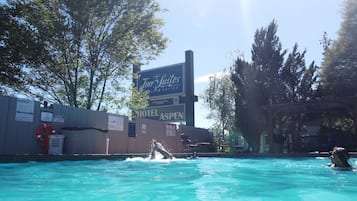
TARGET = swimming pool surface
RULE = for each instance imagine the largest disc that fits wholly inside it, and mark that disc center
(203, 179)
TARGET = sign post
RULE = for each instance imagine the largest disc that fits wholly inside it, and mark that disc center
(190, 97)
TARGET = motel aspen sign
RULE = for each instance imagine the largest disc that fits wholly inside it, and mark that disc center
(170, 90)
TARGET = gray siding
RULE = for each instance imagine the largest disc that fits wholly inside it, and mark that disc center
(4, 109)
(85, 131)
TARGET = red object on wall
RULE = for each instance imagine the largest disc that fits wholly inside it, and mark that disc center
(42, 133)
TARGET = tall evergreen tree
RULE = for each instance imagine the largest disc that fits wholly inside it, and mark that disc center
(269, 80)
(308, 82)
(292, 72)
(258, 84)
(298, 79)
(268, 57)
(248, 115)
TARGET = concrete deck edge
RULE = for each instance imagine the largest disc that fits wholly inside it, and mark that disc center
(78, 157)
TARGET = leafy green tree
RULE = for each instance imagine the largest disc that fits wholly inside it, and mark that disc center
(219, 97)
(18, 48)
(90, 46)
(139, 100)
(339, 67)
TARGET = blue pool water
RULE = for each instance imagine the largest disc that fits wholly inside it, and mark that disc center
(203, 179)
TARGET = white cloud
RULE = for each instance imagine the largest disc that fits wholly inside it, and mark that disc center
(205, 78)
(202, 79)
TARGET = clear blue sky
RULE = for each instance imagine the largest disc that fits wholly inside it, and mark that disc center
(217, 30)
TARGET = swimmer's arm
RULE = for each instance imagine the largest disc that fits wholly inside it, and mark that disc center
(152, 152)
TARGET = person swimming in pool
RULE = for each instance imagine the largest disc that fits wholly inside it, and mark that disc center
(339, 158)
(157, 147)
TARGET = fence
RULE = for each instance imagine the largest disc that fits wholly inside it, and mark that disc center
(85, 131)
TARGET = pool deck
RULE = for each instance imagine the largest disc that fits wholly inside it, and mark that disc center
(77, 157)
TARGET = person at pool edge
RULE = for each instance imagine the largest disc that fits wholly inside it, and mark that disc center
(193, 156)
(157, 146)
(339, 158)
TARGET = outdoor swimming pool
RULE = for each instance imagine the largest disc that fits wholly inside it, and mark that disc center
(202, 179)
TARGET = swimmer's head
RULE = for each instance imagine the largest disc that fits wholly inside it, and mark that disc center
(339, 156)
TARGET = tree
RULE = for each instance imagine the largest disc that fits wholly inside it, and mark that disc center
(308, 82)
(219, 97)
(339, 66)
(258, 84)
(18, 48)
(291, 74)
(90, 46)
(298, 81)
(139, 100)
(248, 115)
(269, 79)
(268, 58)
